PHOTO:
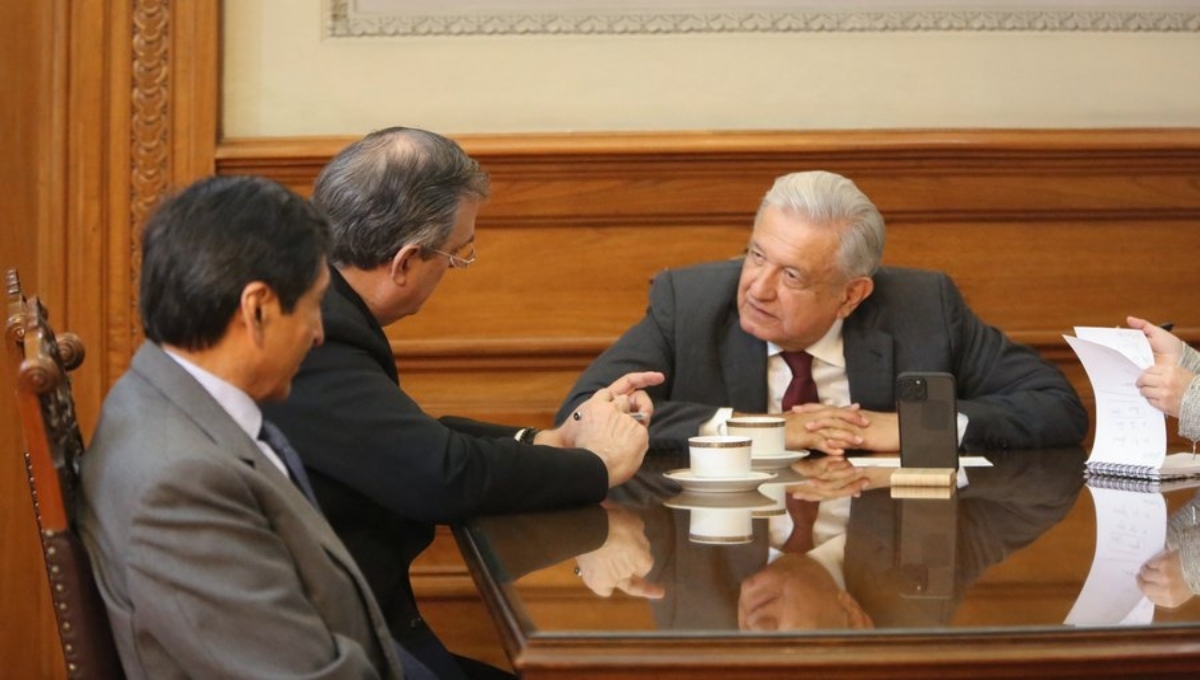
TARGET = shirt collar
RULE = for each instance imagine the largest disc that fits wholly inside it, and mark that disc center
(235, 402)
(828, 349)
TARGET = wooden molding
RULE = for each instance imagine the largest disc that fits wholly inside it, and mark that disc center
(1181, 142)
(150, 123)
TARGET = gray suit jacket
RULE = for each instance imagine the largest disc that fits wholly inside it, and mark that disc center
(913, 321)
(1189, 406)
(1183, 535)
(211, 562)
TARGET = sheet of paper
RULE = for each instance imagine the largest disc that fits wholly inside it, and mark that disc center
(1131, 527)
(1128, 429)
(1128, 341)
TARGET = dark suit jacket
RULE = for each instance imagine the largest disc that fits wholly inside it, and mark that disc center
(913, 321)
(386, 472)
(210, 560)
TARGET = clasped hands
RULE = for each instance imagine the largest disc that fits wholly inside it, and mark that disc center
(834, 429)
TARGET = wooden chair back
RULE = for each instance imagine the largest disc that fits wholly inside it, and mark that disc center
(39, 362)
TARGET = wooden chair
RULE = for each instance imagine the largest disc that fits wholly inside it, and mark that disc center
(53, 443)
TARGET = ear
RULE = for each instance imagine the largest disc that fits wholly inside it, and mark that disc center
(857, 290)
(255, 309)
(403, 262)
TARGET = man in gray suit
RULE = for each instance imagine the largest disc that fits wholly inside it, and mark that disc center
(211, 559)
(811, 285)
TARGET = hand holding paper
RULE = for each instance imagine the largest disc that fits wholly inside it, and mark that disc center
(1165, 346)
(1131, 433)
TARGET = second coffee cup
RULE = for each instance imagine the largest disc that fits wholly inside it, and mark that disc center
(765, 432)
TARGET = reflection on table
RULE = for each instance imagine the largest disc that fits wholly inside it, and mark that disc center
(758, 581)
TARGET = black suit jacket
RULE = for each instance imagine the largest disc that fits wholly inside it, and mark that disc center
(386, 473)
(913, 321)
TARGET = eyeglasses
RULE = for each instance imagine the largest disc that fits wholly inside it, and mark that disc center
(456, 261)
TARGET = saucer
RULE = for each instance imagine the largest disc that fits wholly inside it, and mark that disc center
(737, 500)
(776, 490)
(690, 482)
(786, 476)
(774, 461)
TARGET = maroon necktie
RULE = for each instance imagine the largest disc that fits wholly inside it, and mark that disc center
(802, 389)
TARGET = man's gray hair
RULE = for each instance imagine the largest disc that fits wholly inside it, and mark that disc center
(395, 187)
(829, 199)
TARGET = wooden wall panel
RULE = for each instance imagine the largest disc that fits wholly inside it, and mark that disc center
(562, 282)
(28, 647)
(107, 105)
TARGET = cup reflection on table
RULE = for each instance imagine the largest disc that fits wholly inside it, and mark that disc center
(721, 525)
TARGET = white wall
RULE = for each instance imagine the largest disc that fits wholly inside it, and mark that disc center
(284, 78)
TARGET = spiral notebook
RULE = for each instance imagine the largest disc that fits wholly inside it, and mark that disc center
(1131, 435)
(1102, 481)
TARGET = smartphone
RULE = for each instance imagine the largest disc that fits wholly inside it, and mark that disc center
(926, 546)
(928, 417)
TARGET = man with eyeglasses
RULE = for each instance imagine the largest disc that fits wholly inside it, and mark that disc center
(402, 205)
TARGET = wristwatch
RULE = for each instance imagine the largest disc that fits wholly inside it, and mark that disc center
(526, 435)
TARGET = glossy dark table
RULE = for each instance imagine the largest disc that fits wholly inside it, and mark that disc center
(978, 584)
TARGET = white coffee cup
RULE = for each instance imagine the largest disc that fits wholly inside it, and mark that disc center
(766, 433)
(719, 456)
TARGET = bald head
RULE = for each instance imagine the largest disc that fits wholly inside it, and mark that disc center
(395, 187)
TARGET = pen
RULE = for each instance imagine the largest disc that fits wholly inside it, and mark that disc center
(1167, 325)
(638, 416)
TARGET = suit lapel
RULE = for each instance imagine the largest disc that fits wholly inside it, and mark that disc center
(177, 385)
(194, 401)
(744, 366)
(869, 361)
(154, 365)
